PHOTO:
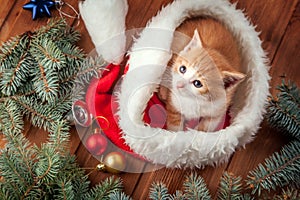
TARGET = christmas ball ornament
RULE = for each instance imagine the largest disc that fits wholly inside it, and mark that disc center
(81, 114)
(114, 162)
(96, 143)
(39, 8)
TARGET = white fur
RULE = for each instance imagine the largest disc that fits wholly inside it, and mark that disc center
(105, 22)
(148, 58)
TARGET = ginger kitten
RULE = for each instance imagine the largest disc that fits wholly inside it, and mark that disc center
(203, 76)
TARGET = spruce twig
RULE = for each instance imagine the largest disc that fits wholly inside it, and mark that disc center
(195, 188)
(279, 170)
(159, 191)
(119, 196)
(284, 110)
(288, 194)
(230, 187)
(39, 72)
(105, 189)
(49, 171)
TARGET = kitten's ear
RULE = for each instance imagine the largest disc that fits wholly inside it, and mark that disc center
(232, 78)
(194, 43)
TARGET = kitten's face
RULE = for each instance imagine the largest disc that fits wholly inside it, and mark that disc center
(194, 74)
(203, 73)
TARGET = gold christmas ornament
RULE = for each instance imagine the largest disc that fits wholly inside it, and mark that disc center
(113, 162)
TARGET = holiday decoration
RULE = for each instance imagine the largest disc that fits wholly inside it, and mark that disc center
(281, 170)
(48, 172)
(148, 58)
(106, 24)
(96, 143)
(283, 111)
(39, 8)
(230, 187)
(81, 114)
(114, 162)
(38, 72)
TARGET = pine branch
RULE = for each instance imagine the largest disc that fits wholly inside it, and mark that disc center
(11, 118)
(103, 190)
(119, 196)
(195, 188)
(11, 50)
(91, 67)
(56, 30)
(13, 64)
(17, 164)
(230, 187)
(46, 83)
(25, 91)
(289, 91)
(59, 137)
(178, 196)
(14, 78)
(73, 173)
(284, 111)
(279, 170)
(159, 191)
(42, 116)
(289, 194)
(38, 71)
(64, 190)
(73, 54)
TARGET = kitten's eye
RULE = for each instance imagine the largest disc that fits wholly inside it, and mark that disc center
(197, 83)
(182, 69)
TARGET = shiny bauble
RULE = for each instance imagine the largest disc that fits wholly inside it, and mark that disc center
(114, 162)
(81, 114)
(96, 143)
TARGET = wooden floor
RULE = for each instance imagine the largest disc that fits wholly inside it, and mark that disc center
(279, 24)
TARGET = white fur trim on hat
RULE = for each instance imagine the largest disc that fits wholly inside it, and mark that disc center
(149, 57)
(105, 22)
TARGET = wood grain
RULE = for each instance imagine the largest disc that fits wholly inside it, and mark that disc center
(279, 24)
(5, 9)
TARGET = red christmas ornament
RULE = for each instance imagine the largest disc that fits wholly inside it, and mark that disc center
(96, 143)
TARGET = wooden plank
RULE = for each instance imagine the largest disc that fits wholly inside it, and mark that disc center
(268, 141)
(287, 62)
(20, 20)
(271, 19)
(5, 10)
(136, 18)
(136, 13)
(271, 34)
(174, 179)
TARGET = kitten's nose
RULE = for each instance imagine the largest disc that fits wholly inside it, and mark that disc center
(180, 84)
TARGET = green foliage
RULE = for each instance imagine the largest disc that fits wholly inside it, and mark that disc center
(38, 74)
(159, 191)
(119, 196)
(279, 170)
(284, 111)
(290, 194)
(230, 187)
(105, 189)
(49, 171)
(194, 187)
